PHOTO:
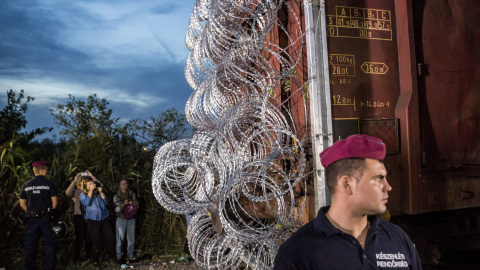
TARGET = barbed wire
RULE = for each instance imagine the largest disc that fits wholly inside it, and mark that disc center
(240, 170)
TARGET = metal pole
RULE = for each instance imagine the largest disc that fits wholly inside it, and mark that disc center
(319, 91)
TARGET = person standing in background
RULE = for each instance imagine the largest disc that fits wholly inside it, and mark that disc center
(38, 198)
(96, 215)
(125, 198)
(79, 222)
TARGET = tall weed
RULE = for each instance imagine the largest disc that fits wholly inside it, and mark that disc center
(112, 159)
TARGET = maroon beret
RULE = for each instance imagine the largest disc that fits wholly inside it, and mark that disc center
(39, 163)
(358, 145)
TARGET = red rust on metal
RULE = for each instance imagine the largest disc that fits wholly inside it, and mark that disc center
(447, 41)
(375, 49)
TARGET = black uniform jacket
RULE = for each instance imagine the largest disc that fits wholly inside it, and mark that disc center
(319, 245)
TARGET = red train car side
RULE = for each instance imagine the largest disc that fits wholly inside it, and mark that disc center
(407, 72)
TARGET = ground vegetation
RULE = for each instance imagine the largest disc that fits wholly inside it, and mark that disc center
(90, 138)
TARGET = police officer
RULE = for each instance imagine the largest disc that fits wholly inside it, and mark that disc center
(348, 234)
(38, 198)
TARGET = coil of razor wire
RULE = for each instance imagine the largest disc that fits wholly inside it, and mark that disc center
(222, 251)
(242, 169)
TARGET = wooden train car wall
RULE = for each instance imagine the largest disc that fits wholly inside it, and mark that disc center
(364, 76)
(408, 72)
(447, 42)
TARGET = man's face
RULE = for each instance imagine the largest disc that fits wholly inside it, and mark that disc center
(371, 191)
(123, 185)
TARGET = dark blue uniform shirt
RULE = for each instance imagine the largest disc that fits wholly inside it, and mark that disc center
(38, 192)
(319, 245)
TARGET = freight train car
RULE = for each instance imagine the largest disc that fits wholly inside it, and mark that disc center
(408, 72)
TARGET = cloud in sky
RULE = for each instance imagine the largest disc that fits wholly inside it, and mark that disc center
(131, 52)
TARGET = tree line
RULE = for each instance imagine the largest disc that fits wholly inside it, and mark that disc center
(90, 139)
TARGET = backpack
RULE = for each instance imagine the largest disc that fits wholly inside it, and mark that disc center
(130, 210)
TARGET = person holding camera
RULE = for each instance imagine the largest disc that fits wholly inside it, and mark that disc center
(38, 198)
(79, 222)
(126, 206)
(96, 215)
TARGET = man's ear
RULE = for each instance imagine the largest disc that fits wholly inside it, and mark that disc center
(345, 184)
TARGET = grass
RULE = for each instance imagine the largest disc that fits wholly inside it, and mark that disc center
(159, 232)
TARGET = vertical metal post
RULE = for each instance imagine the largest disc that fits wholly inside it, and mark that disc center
(319, 91)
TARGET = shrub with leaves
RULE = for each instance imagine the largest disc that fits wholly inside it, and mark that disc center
(93, 140)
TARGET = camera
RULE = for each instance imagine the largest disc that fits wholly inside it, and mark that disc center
(98, 184)
(83, 174)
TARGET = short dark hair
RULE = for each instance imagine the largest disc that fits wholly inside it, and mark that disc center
(352, 167)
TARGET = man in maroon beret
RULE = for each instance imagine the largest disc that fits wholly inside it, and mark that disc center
(38, 198)
(348, 234)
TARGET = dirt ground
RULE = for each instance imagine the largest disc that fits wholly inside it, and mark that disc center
(150, 265)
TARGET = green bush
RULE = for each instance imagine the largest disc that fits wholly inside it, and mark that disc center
(159, 232)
